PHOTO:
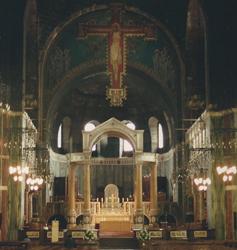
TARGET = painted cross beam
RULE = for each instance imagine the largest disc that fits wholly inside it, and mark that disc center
(116, 63)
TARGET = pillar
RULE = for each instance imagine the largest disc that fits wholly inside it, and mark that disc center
(71, 197)
(26, 206)
(200, 206)
(153, 193)
(87, 192)
(4, 180)
(138, 192)
(229, 213)
(203, 206)
(197, 206)
(30, 213)
(5, 200)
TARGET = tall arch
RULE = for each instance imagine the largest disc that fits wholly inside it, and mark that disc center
(54, 36)
(113, 127)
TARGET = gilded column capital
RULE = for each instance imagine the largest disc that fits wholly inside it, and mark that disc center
(87, 156)
(72, 165)
(138, 158)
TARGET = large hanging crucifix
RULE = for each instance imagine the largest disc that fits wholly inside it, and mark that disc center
(116, 63)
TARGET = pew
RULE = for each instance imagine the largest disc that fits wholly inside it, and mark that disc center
(13, 245)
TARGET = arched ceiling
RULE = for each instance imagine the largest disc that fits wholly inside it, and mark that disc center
(74, 72)
(86, 98)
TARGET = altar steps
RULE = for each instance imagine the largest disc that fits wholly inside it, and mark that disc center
(118, 243)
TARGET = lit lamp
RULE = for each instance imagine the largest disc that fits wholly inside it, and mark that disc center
(34, 183)
(227, 173)
(202, 183)
(18, 172)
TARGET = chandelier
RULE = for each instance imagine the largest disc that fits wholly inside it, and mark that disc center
(201, 180)
(202, 183)
(16, 168)
(29, 160)
(18, 172)
(38, 157)
(34, 183)
(227, 172)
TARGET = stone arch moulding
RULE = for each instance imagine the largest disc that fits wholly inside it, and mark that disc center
(113, 127)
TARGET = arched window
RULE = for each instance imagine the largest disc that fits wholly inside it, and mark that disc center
(125, 146)
(89, 127)
(66, 131)
(157, 134)
(160, 136)
(63, 136)
(59, 137)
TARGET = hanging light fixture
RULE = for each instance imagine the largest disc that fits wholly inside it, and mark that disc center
(227, 172)
(202, 183)
(29, 160)
(18, 172)
(34, 183)
(38, 157)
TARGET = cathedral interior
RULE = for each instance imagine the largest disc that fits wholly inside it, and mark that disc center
(118, 116)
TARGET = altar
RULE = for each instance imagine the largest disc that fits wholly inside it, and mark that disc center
(115, 226)
(112, 214)
(112, 210)
(111, 194)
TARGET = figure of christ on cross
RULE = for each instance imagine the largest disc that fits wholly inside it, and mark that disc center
(116, 57)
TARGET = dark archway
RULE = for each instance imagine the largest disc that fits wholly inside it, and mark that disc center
(146, 220)
(167, 220)
(79, 219)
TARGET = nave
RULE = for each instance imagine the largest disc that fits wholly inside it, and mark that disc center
(115, 116)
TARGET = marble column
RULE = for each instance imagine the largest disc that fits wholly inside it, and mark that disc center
(138, 193)
(4, 125)
(229, 213)
(153, 193)
(26, 206)
(197, 206)
(202, 206)
(87, 193)
(5, 200)
(71, 196)
(30, 213)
